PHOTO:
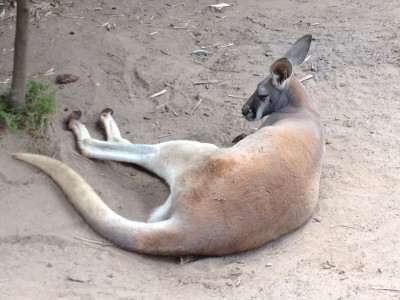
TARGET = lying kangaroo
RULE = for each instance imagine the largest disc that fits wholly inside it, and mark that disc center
(222, 201)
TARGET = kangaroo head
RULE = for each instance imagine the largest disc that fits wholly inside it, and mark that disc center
(270, 96)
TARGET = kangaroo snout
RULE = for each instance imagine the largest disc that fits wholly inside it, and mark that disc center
(245, 110)
(249, 112)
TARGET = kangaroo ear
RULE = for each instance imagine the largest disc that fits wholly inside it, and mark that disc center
(281, 70)
(299, 50)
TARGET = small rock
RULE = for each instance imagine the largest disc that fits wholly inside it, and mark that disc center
(268, 265)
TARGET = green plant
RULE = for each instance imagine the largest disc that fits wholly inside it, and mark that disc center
(9, 116)
(40, 105)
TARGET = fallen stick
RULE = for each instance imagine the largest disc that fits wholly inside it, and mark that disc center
(91, 241)
(81, 156)
(166, 135)
(307, 77)
(158, 94)
(158, 107)
(207, 82)
(385, 289)
(237, 97)
(197, 105)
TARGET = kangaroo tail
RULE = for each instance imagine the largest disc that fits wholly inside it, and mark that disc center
(161, 238)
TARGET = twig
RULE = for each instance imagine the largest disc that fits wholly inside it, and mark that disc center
(166, 135)
(52, 126)
(237, 97)
(345, 226)
(7, 81)
(187, 27)
(302, 291)
(158, 107)
(114, 15)
(49, 72)
(197, 104)
(93, 242)
(238, 282)
(307, 77)
(175, 5)
(95, 9)
(385, 289)
(158, 93)
(175, 89)
(213, 81)
(166, 26)
(71, 17)
(180, 286)
(182, 20)
(81, 156)
(9, 50)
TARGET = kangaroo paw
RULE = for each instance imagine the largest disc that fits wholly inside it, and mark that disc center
(74, 116)
(239, 138)
(104, 113)
(107, 110)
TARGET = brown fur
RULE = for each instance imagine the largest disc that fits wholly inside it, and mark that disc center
(222, 200)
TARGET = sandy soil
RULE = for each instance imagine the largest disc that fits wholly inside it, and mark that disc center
(348, 250)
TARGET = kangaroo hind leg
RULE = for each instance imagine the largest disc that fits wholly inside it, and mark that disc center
(115, 148)
(110, 126)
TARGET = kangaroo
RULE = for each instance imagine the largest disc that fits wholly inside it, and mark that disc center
(222, 200)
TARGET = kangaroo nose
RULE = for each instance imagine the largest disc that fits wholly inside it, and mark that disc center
(245, 110)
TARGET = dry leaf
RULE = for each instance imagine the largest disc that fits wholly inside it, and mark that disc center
(66, 78)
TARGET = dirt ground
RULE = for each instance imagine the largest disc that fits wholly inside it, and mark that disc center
(125, 51)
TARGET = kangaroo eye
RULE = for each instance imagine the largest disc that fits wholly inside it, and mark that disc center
(262, 91)
(261, 95)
